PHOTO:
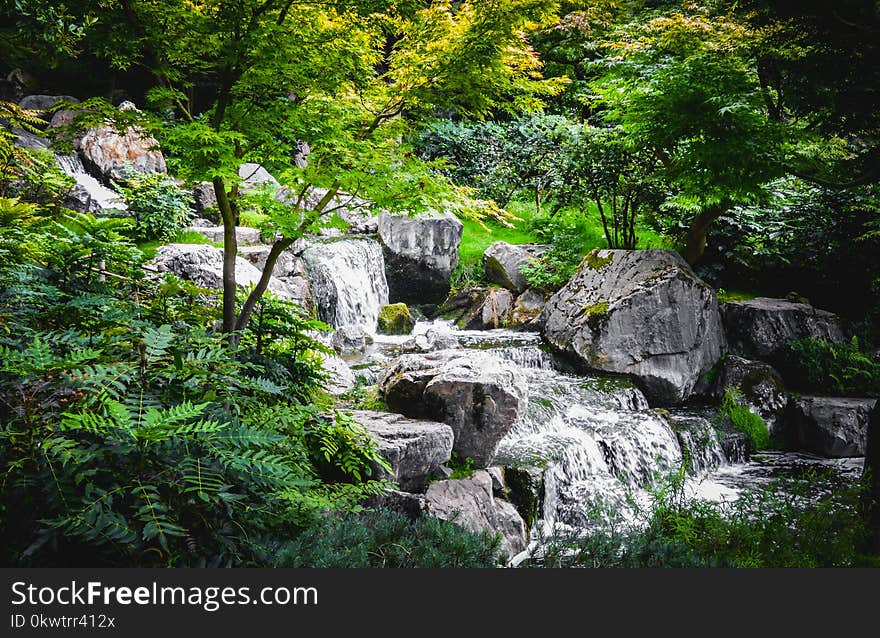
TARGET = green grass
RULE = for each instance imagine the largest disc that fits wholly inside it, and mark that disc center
(149, 248)
(525, 230)
(734, 295)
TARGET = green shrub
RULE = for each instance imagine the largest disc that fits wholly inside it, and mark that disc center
(736, 413)
(823, 367)
(381, 538)
(159, 208)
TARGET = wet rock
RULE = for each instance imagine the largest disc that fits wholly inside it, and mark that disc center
(395, 319)
(420, 255)
(406, 503)
(414, 449)
(833, 427)
(497, 475)
(760, 384)
(527, 308)
(479, 395)
(429, 341)
(348, 340)
(479, 308)
(470, 503)
(502, 263)
(760, 328)
(643, 313)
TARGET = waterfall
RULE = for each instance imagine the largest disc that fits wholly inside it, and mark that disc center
(347, 279)
(92, 194)
(700, 441)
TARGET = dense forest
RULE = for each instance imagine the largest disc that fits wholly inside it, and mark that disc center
(440, 284)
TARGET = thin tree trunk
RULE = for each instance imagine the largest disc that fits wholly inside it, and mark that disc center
(230, 252)
(244, 316)
(695, 245)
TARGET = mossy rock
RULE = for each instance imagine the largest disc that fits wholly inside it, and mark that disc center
(395, 319)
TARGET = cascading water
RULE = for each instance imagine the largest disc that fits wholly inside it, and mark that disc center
(347, 279)
(97, 197)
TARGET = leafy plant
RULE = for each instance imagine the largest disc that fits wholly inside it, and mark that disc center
(160, 208)
(735, 412)
(837, 369)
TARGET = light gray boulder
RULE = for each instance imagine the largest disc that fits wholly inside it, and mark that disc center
(414, 449)
(340, 378)
(203, 265)
(760, 328)
(429, 341)
(350, 340)
(470, 503)
(502, 263)
(642, 313)
(254, 176)
(420, 255)
(480, 396)
(833, 427)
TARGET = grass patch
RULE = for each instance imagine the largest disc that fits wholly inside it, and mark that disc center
(725, 295)
(149, 248)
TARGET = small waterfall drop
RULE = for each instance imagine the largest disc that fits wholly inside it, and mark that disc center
(95, 196)
(347, 279)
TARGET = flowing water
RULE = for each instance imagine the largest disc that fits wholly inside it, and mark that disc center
(590, 443)
(347, 279)
(99, 197)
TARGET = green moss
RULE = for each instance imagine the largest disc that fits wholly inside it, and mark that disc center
(395, 319)
(734, 295)
(594, 262)
(595, 313)
(737, 413)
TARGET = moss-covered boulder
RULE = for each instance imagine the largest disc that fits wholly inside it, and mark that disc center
(395, 319)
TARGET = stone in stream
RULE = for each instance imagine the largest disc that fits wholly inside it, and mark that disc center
(395, 319)
(833, 427)
(760, 384)
(761, 328)
(479, 395)
(479, 308)
(502, 263)
(414, 449)
(470, 503)
(527, 308)
(348, 340)
(642, 313)
(420, 255)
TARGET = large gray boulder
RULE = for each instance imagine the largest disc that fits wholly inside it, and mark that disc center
(833, 427)
(470, 503)
(254, 176)
(203, 265)
(760, 328)
(526, 310)
(479, 308)
(420, 255)
(414, 449)
(502, 263)
(479, 395)
(643, 313)
(109, 154)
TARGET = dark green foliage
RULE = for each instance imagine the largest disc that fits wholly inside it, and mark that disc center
(805, 521)
(160, 208)
(379, 538)
(735, 413)
(836, 369)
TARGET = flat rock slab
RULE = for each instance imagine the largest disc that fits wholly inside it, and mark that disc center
(415, 449)
(480, 396)
(761, 328)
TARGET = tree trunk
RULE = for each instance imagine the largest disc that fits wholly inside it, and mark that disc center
(695, 244)
(871, 477)
(277, 248)
(230, 252)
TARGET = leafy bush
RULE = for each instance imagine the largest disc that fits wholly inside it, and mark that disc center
(159, 208)
(381, 538)
(737, 414)
(837, 369)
